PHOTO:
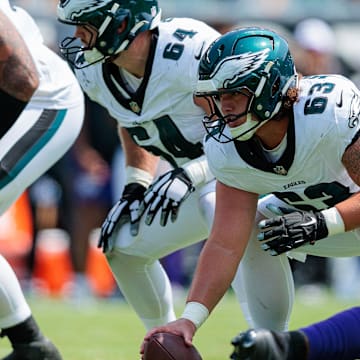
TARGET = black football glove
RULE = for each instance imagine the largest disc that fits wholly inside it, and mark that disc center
(263, 344)
(167, 193)
(125, 210)
(290, 231)
(244, 344)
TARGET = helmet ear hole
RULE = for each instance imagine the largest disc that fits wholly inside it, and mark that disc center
(122, 27)
(253, 81)
(276, 87)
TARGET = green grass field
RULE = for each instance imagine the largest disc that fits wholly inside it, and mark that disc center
(109, 330)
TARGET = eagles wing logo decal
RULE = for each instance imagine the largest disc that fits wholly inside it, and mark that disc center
(81, 7)
(232, 68)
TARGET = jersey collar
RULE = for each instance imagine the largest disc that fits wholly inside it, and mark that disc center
(250, 151)
(113, 79)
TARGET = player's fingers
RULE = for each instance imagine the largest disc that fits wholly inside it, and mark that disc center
(188, 339)
(275, 232)
(117, 213)
(102, 244)
(152, 211)
(165, 212)
(134, 227)
(147, 200)
(266, 223)
(270, 245)
(275, 247)
(175, 211)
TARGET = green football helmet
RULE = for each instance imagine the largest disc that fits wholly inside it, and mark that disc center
(253, 61)
(106, 16)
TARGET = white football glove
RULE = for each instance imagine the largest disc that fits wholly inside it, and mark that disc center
(167, 193)
(125, 210)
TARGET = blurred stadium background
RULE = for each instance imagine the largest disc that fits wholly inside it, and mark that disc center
(103, 327)
(342, 15)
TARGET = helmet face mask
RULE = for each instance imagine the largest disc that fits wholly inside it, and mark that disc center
(216, 121)
(117, 22)
(71, 46)
(253, 60)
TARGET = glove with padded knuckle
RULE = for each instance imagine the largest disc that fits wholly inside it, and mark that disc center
(125, 210)
(166, 194)
(290, 231)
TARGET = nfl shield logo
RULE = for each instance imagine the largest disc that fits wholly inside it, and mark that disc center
(135, 107)
(279, 169)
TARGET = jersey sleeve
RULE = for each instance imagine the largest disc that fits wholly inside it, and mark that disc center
(87, 80)
(216, 155)
(347, 112)
(198, 38)
(209, 35)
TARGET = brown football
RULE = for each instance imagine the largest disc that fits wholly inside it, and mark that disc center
(167, 346)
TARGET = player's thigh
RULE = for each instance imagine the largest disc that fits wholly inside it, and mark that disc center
(156, 241)
(37, 140)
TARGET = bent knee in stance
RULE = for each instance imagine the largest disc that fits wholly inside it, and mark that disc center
(127, 260)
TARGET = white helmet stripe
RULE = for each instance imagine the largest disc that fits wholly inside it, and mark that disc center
(107, 20)
(263, 79)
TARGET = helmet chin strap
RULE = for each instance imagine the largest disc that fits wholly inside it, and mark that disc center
(246, 130)
(93, 56)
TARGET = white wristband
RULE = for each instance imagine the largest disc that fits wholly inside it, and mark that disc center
(198, 171)
(334, 221)
(196, 313)
(137, 175)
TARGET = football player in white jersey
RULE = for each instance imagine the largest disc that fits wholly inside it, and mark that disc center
(144, 72)
(272, 133)
(42, 113)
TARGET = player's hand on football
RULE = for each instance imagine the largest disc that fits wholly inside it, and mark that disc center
(166, 194)
(125, 210)
(182, 327)
(290, 231)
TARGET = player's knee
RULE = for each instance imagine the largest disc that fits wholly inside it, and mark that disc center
(117, 258)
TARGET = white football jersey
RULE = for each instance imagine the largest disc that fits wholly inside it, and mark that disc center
(160, 115)
(57, 81)
(309, 175)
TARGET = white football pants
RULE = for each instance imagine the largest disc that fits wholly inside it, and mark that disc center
(267, 281)
(37, 140)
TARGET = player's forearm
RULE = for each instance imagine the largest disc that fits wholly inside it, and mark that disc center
(349, 211)
(223, 251)
(137, 157)
(211, 281)
(18, 74)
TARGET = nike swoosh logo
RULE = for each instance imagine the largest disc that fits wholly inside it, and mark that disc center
(311, 222)
(198, 56)
(340, 102)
